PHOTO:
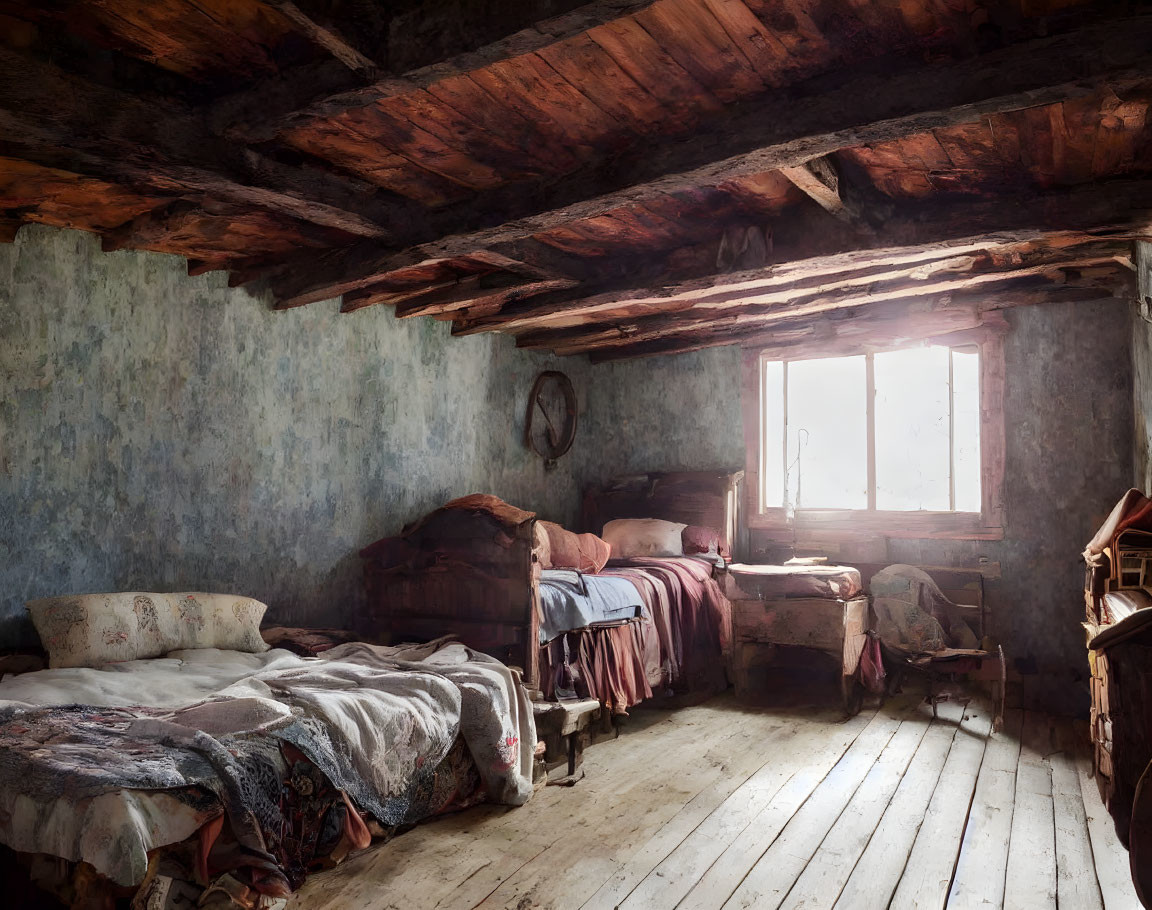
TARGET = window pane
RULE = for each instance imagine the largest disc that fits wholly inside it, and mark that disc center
(827, 434)
(772, 440)
(966, 428)
(912, 429)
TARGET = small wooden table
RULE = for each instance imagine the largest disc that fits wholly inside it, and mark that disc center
(837, 627)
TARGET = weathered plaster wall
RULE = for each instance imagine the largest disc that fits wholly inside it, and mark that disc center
(663, 413)
(1142, 370)
(161, 432)
(1141, 402)
(1068, 412)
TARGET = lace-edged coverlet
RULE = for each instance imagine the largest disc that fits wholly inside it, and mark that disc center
(88, 773)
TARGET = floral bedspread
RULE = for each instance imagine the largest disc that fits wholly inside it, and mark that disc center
(160, 747)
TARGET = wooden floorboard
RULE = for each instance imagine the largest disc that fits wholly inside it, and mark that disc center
(776, 871)
(809, 750)
(1076, 884)
(1030, 883)
(1108, 854)
(878, 871)
(983, 863)
(827, 872)
(722, 805)
(928, 874)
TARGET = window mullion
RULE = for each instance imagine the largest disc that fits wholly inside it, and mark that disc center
(784, 447)
(870, 409)
(951, 437)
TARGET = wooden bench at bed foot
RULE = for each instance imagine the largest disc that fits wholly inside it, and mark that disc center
(566, 729)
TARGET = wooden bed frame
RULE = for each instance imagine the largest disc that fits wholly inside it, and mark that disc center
(462, 573)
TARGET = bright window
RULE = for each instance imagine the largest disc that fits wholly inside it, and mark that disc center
(897, 431)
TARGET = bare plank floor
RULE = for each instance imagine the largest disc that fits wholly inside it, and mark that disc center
(722, 806)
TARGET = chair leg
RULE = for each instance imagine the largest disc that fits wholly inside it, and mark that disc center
(998, 721)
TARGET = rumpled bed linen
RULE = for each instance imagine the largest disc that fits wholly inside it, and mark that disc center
(105, 765)
(677, 644)
(573, 600)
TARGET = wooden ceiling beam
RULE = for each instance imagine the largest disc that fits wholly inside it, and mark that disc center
(148, 229)
(9, 228)
(1116, 209)
(820, 181)
(818, 272)
(327, 36)
(424, 45)
(777, 130)
(469, 292)
(857, 331)
(52, 118)
(757, 312)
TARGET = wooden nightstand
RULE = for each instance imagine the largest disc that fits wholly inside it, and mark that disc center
(834, 626)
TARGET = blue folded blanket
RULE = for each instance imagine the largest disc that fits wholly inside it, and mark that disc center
(571, 600)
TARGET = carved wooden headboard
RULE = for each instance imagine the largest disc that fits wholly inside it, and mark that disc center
(708, 498)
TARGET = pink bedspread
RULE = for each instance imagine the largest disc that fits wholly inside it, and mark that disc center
(677, 645)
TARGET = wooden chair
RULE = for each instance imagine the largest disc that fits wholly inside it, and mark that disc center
(939, 664)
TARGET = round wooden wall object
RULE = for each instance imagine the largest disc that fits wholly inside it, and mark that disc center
(550, 423)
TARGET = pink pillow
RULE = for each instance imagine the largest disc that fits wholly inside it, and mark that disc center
(594, 553)
(699, 539)
(584, 552)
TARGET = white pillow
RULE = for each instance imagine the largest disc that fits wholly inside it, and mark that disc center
(90, 630)
(630, 537)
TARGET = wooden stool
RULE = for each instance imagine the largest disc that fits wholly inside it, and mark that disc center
(564, 728)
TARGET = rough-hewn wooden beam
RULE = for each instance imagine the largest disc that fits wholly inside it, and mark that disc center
(865, 329)
(533, 259)
(473, 291)
(147, 229)
(778, 130)
(820, 180)
(425, 45)
(329, 37)
(52, 118)
(478, 298)
(772, 307)
(1115, 209)
(364, 259)
(8, 229)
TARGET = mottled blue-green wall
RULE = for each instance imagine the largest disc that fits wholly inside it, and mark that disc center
(161, 432)
(665, 413)
(1069, 433)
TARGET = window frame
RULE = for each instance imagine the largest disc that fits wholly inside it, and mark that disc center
(987, 524)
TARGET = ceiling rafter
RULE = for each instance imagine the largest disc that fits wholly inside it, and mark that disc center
(777, 130)
(1118, 210)
(328, 36)
(765, 309)
(881, 325)
(50, 117)
(321, 91)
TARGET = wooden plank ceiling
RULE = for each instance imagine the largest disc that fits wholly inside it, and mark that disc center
(618, 178)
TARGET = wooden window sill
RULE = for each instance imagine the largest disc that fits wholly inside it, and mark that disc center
(832, 523)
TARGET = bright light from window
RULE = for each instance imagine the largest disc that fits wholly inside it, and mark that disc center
(925, 430)
(912, 434)
(827, 434)
(966, 428)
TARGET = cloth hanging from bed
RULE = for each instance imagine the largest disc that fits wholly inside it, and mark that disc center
(679, 643)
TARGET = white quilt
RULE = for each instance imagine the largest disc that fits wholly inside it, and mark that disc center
(388, 710)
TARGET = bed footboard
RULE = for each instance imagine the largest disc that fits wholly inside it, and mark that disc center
(465, 576)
